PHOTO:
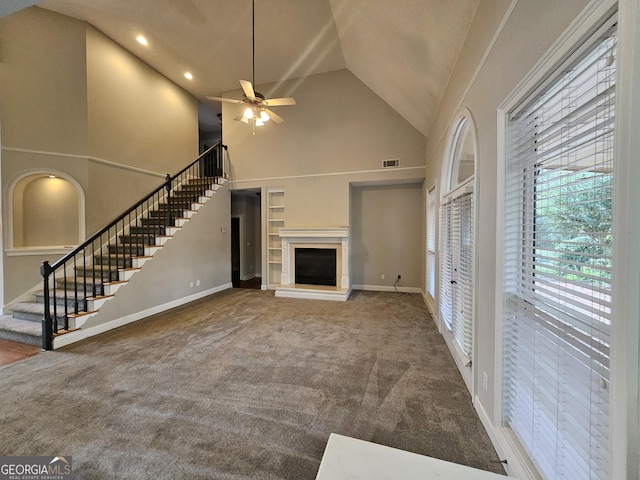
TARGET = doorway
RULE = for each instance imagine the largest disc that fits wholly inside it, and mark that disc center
(246, 234)
(235, 251)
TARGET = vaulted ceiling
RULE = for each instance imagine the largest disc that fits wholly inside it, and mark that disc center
(403, 50)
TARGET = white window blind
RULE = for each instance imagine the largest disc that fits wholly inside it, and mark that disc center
(558, 264)
(432, 211)
(456, 267)
(446, 264)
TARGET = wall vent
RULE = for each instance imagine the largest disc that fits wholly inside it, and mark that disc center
(394, 162)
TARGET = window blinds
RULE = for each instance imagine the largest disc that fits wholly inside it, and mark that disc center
(456, 267)
(432, 207)
(558, 267)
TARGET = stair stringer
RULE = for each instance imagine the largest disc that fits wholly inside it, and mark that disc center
(198, 251)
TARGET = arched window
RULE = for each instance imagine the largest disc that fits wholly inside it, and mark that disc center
(457, 222)
(46, 211)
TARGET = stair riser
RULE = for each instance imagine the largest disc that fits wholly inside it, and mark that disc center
(105, 274)
(123, 261)
(21, 338)
(184, 195)
(159, 221)
(126, 250)
(148, 230)
(138, 240)
(34, 317)
(178, 203)
(60, 301)
(161, 211)
(79, 287)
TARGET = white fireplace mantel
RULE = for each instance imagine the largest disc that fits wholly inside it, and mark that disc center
(323, 233)
(335, 237)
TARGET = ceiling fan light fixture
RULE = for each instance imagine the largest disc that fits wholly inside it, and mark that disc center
(254, 104)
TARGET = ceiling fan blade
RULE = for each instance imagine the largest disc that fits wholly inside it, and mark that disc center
(279, 102)
(220, 99)
(274, 116)
(247, 88)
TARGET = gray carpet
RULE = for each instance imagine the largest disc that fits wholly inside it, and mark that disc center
(244, 385)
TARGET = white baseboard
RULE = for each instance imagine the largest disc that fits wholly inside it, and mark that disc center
(244, 278)
(518, 466)
(82, 334)
(430, 303)
(386, 288)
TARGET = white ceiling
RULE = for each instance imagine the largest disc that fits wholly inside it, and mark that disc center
(403, 50)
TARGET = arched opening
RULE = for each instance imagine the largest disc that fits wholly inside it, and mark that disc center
(45, 211)
(456, 239)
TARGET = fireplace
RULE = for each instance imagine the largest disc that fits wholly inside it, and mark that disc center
(330, 247)
(315, 266)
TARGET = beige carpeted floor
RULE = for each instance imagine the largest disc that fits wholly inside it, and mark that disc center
(244, 385)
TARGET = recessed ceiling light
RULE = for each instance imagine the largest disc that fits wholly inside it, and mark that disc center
(188, 75)
(142, 40)
(52, 176)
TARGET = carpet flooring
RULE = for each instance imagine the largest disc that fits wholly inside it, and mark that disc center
(244, 385)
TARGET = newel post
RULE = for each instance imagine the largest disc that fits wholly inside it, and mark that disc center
(168, 219)
(47, 324)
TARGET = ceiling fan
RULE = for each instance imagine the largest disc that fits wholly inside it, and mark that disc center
(256, 109)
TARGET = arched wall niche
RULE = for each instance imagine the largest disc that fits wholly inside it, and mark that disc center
(45, 210)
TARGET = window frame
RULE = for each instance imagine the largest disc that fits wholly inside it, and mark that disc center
(568, 43)
(452, 190)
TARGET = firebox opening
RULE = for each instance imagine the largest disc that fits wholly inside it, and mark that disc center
(315, 266)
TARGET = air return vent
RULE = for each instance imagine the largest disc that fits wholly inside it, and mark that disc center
(394, 162)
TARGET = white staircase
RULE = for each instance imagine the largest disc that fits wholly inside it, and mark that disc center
(106, 273)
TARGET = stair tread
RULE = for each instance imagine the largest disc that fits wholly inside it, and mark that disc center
(25, 327)
(102, 268)
(33, 308)
(99, 297)
(28, 307)
(81, 314)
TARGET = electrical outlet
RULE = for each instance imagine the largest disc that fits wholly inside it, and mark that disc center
(190, 284)
(485, 381)
(382, 276)
(197, 283)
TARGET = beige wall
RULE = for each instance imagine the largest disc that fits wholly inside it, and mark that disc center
(338, 134)
(136, 116)
(77, 103)
(44, 87)
(50, 212)
(386, 235)
(338, 125)
(200, 251)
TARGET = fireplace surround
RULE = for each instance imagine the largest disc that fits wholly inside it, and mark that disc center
(336, 239)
